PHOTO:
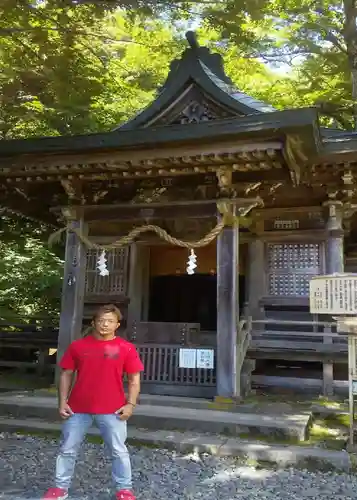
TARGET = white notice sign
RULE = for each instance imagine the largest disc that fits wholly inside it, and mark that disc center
(187, 358)
(205, 359)
(354, 387)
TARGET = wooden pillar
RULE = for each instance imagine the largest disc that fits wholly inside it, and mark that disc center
(72, 289)
(138, 275)
(335, 237)
(135, 279)
(145, 283)
(327, 367)
(41, 362)
(227, 310)
(256, 277)
(334, 259)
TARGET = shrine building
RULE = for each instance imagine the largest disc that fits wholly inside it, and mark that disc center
(259, 199)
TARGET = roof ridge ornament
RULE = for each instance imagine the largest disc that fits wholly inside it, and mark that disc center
(197, 74)
(213, 61)
(191, 37)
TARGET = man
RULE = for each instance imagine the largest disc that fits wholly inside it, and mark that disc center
(99, 360)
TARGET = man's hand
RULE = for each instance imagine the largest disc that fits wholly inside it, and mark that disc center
(125, 412)
(65, 411)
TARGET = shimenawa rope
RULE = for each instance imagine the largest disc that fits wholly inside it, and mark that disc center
(227, 219)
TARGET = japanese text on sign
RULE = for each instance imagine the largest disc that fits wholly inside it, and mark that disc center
(205, 359)
(187, 358)
(197, 358)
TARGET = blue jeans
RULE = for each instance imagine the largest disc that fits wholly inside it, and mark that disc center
(114, 433)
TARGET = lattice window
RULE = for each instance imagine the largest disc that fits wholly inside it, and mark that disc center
(291, 266)
(116, 282)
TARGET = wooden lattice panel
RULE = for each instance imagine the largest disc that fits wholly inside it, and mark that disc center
(116, 283)
(291, 266)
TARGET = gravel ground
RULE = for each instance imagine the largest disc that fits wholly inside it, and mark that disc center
(27, 465)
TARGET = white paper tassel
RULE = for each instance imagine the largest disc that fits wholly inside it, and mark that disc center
(191, 263)
(102, 265)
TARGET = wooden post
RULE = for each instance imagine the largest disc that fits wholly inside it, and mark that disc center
(257, 276)
(227, 310)
(138, 276)
(72, 289)
(335, 237)
(145, 259)
(41, 362)
(334, 264)
(327, 367)
(135, 285)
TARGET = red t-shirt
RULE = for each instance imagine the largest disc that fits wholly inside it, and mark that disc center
(100, 365)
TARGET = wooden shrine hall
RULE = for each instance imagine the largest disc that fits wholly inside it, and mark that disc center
(259, 199)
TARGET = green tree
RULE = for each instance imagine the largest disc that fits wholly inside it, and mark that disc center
(67, 70)
(319, 38)
(30, 274)
(250, 75)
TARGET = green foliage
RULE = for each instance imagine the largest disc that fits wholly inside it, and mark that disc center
(73, 70)
(30, 274)
(318, 39)
(69, 71)
(250, 75)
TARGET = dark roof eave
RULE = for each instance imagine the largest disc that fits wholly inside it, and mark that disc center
(274, 123)
(332, 133)
(342, 147)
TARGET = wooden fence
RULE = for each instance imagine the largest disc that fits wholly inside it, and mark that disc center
(163, 375)
(299, 341)
(27, 343)
(26, 346)
(269, 339)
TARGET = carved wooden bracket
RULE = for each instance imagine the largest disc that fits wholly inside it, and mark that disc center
(73, 189)
(295, 157)
(334, 214)
(349, 209)
(236, 211)
(225, 182)
(69, 213)
(69, 188)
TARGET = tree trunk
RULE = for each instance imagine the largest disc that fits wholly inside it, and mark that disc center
(350, 35)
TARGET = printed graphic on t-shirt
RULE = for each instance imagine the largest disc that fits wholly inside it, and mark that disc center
(111, 351)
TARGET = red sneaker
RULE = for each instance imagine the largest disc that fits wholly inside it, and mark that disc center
(124, 495)
(56, 494)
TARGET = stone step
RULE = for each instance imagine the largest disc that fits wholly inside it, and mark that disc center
(221, 404)
(148, 399)
(286, 427)
(255, 452)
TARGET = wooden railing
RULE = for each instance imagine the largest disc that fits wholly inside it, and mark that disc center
(316, 336)
(26, 344)
(161, 364)
(33, 330)
(293, 340)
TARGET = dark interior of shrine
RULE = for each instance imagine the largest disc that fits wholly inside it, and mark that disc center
(187, 299)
